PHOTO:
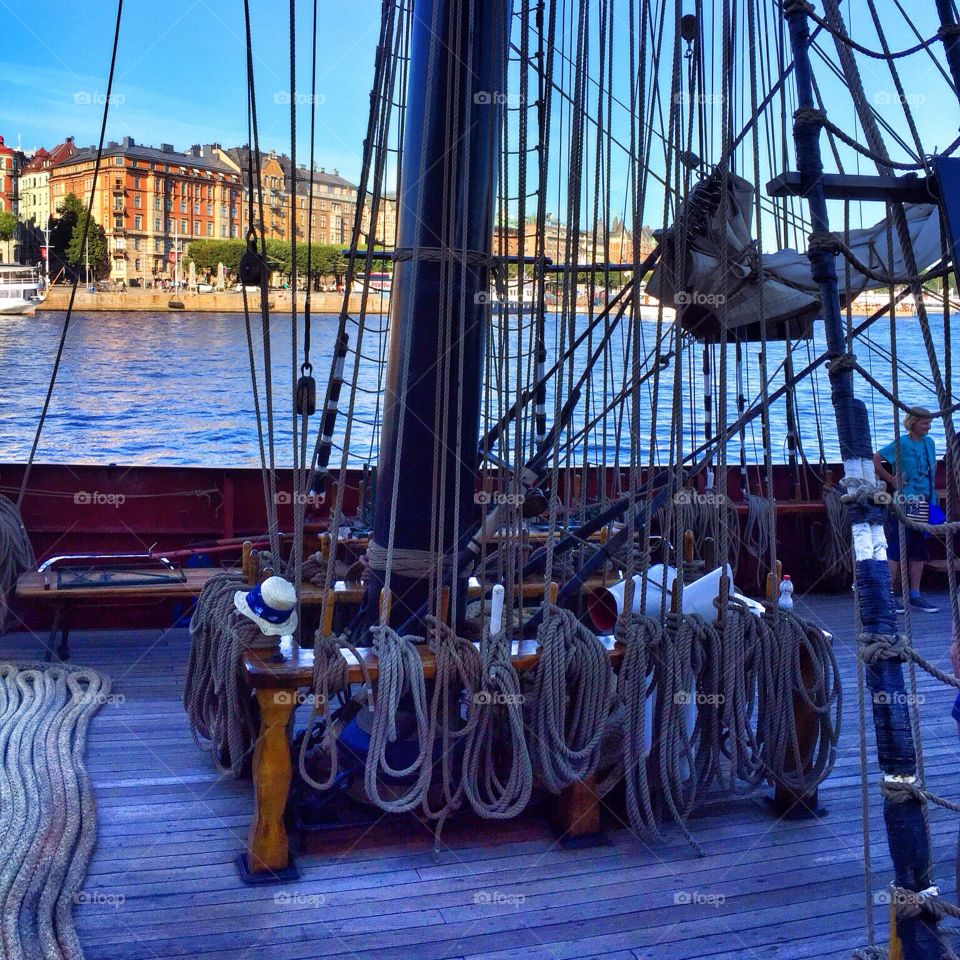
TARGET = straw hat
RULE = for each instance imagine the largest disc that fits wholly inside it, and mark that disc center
(271, 605)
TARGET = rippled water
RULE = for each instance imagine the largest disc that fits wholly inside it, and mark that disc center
(172, 388)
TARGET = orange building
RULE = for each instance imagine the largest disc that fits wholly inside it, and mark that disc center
(334, 199)
(152, 202)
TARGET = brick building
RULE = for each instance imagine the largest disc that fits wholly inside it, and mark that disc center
(150, 200)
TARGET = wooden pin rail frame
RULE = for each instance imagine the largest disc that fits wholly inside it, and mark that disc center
(278, 676)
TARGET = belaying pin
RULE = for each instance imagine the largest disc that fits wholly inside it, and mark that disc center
(250, 268)
(306, 398)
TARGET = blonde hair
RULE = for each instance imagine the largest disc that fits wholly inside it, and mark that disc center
(917, 413)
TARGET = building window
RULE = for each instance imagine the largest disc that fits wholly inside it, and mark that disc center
(209, 228)
(233, 229)
(196, 209)
(169, 225)
(136, 243)
(118, 161)
(156, 224)
(136, 199)
(118, 223)
(184, 226)
(183, 206)
(137, 182)
(223, 229)
(136, 265)
(209, 209)
(138, 222)
(196, 227)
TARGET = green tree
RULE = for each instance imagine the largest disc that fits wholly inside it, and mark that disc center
(209, 254)
(8, 225)
(66, 240)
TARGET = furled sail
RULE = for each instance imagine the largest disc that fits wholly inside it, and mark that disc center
(711, 270)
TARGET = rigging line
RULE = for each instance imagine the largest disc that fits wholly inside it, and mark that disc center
(76, 266)
(268, 471)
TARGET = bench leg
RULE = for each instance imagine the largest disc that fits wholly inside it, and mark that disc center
(268, 850)
(63, 650)
(578, 813)
(54, 631)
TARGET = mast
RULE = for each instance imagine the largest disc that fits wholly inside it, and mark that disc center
(907, 833)
(446, 198)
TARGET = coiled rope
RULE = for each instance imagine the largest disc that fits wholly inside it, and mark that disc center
(573, 664)
(16, 553)
(400, 673)
(47, 810)
(218, 703)
(497, 789)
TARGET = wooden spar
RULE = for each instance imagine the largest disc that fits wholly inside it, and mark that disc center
(451, 150)
(907, 831)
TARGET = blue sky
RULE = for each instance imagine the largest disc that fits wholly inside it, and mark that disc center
(181, 79)
(181, 73)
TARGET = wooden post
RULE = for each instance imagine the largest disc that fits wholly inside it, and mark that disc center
(895, 950)
(246, 563)
(268, 849)
(773, 582)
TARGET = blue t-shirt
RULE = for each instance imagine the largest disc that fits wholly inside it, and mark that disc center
(919, 463)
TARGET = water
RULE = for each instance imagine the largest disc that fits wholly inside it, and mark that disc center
(174, 389)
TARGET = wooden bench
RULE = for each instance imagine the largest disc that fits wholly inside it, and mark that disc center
(277, 676)
(43, 588)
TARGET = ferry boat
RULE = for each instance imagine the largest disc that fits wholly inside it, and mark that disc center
(21, 289)
(378, 284)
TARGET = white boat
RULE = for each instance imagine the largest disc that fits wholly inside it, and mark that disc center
(21, 289)
(376, 283)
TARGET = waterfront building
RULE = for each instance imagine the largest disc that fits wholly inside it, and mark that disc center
(10, 163)
(35, 197)
(152, 202)
(334, 199)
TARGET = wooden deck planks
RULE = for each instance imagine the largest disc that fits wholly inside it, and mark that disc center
(170, 826)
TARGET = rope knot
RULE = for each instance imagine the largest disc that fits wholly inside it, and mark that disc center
(867, 492)
(883, 646)
(824, 239)
(900, 790)
(808, 116)
(845, 363)
(793, 7)
(948, 30)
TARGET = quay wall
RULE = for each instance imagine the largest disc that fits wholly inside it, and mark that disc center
(153, 301)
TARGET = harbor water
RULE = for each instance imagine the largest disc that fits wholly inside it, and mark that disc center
(175, 389)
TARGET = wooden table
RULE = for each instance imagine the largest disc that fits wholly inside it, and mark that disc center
(277, 676)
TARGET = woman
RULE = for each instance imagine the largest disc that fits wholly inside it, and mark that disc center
(915, 482)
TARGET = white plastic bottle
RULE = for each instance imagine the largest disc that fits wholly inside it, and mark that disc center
(786, 593)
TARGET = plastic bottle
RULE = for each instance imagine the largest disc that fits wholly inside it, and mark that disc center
(786, 593)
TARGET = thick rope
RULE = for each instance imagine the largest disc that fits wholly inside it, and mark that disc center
(48, 818)
(565, 742)
(218, 703)
(400, 675)
(16, 554)
(497, 788)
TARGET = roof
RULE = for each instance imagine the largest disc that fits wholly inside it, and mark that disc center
(44, 159)
(241, 156)
(198, 156)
